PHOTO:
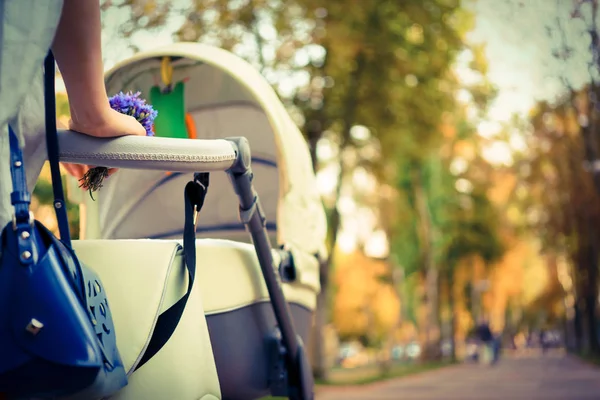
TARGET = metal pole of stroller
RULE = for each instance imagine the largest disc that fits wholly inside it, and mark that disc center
(252, 215)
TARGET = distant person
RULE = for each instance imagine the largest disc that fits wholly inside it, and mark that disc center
(496, 347)
(491, 345)
(484, 333)
(544, 342)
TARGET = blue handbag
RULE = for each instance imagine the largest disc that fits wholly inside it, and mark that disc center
(57, 337)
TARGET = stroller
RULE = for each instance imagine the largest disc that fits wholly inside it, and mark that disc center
(244, 330)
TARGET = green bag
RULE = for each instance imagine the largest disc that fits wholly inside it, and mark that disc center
(170, 105)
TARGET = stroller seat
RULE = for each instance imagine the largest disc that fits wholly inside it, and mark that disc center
(238, 312)
(234, 265)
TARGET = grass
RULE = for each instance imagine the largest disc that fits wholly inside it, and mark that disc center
(371, 374)
(589, 358)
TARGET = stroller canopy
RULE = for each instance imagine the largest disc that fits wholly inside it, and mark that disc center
(224, 96)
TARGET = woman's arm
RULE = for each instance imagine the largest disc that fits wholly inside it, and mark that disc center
(77, 48)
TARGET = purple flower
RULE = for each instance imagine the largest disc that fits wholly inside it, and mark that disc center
(131, 104)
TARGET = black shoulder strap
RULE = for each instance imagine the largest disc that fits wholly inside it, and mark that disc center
(60, 205)
(195, 193)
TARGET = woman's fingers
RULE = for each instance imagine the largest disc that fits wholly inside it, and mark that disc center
(75, 170)
(78, 170)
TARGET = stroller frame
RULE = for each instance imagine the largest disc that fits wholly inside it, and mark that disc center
(285, 364)
(289, 373)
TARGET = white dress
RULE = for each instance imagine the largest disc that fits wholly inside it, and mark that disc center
(27, 29)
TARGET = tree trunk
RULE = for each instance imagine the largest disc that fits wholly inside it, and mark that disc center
(349, 116)
(351, 102)
(319, 356)
(591, 294)
(320, 367)
(431, 348)
(582, 323)
(442, 300)
(318, 345)
(451, 304)
(590, 313)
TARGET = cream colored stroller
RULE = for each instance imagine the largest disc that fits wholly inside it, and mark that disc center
(244, 331)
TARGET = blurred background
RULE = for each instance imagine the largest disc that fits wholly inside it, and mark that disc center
(456, 149)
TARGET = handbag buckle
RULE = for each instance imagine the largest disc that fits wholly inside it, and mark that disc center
(14, 220)
(196, 213)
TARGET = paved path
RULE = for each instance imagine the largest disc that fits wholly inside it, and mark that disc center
(529, 377)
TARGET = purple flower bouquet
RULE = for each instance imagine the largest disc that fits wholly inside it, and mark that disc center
(130, 104)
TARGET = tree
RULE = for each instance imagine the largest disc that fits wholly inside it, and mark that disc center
(573, 59)
(384, 65)
(563, 203)
(461, 223)
(431, 204)
(388, 52)
(587, 106)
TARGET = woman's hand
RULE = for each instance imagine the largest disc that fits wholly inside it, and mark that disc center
(106, 124)
(79, 170)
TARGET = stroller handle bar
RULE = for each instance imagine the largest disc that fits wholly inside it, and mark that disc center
(148, 153)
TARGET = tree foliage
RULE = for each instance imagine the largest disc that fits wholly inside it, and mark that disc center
(385, 66)
(562, 204)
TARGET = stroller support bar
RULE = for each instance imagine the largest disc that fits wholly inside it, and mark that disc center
(149, 153)
(299, 376)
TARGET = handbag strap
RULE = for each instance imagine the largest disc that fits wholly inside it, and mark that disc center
(53, 154)
(195, 193)
(20, 198)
